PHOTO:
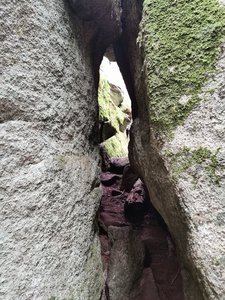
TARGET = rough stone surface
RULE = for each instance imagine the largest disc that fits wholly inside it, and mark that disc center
(184, 170)
(49, 161)
(104, 16)
(116, 94)
(201, 195)
(112, 118)
(138, 254)
(116, 146)
(49, 191)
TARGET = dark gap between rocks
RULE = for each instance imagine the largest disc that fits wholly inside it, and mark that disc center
(138, 253)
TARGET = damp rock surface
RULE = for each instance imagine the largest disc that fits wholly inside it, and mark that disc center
(138, 254)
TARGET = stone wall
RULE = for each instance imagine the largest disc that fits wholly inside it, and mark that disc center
(178, 146)
(49, 186)
(49, 161)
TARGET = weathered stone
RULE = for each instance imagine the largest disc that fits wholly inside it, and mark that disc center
(138, 254)
(111, 117)
(129, 178)
(123, 270)
(117, 165)
(116, 94)
(116, 146)
(49, 159)
(108, 179)
(105, 13)
(105, 161)
(134, 206)
(177, 137)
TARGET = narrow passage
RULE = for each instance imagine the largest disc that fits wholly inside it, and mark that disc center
(138, 254)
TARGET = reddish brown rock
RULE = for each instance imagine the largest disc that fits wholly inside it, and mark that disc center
(109, 179)
(138, 254)
(148, 289)
(117, 164)
(128, 179)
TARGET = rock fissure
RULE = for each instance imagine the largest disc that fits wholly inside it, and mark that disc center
(192, 203)
(172, 58)
(138, 254)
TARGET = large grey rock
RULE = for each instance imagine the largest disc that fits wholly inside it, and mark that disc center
(192, 202)
(201, 187)
(177, 137)
(49, 191)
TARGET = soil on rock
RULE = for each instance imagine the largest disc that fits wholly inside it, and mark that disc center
(138, 254)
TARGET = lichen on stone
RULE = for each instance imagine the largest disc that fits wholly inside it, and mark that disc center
(181, 43)
(61, 160)
(185, 158)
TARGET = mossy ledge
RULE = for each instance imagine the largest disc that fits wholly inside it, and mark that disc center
(108, 111)
(185, 158)
(181, 42)
(116, 146)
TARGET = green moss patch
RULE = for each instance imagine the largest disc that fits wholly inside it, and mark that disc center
(109, 113)
(181, 41)
(116, 146)
(204, 157)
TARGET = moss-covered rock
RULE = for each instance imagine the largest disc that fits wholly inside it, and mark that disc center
(179, 86)
(181, 42)
(116, 146)
(201, 157)
(112, 117)
(116, 94)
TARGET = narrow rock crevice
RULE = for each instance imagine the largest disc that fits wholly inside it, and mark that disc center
(120, 29)
(166, 201)
(125, 48)
(138, 253)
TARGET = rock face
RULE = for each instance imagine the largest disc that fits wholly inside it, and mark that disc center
(49, 155)
(177, 138)
(138, 254)
(113, 119)
(49, 169)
